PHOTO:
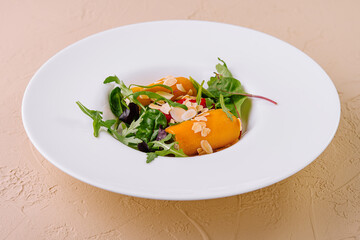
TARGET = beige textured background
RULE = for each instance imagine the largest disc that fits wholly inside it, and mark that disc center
(37, 201)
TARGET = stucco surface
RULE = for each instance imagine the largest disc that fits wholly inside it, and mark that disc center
(38, 201)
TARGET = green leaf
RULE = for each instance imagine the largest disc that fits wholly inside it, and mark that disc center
(150, 157)
(90, 113)
(127, 92)
(96, 116)
(196, 85)
(112, 79)
(198, 96)
(152, 119)
(164, 148)
(209, 103)
(224, 108)
(132, 129)
(222, 69)
(225, 86)
(159, 97)
(116, 102)
(152, 86)
(97, 124)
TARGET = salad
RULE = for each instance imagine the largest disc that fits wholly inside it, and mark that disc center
(175, 116)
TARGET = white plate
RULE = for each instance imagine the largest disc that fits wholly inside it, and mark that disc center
(280, 141)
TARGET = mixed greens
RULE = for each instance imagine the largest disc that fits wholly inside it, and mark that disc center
(143, 128)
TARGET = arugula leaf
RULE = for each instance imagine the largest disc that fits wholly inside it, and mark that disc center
(116, 102)
(152, 119)
(164, 149)
(196, 85)
(112, 79)
(152, 86)
(225, 86)
(127, 92)
(224, 108)
(198, 96)
(98, 122)
(222, 69)
(132, 129)
(150, 157)
(159, 97)
(90, 113)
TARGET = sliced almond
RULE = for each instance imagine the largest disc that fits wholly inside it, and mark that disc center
(170, 81)
(176, 113)
(190, 92)
(172, 121)
(165, 108)
(154, 106)
(199, 150)
(187, 103)
(161, 102)
(205, 114)
(198, 126)
(205, 132)
(165, 94)
(189, 114)
(199, 108)
(206, 146)
(180, 87)
(200, 118)
(204, 110)
(176, 146)
(143, 97)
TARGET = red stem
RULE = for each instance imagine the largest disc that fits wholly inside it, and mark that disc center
(257, 96)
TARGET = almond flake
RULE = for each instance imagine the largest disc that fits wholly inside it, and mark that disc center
(198, 126)
(205, 132)
(206, 146)
(199, 108)
(187, 103)
(200, 118)
(143, 97)
(170, 81)
(176, 114)
(172, 121)
(180, 87)
(189, 114)
(204, 110)
(165, 94)
(165, 108)
(190, 92)
(199, 150)
(161, 102)
(154, 106)
(205, 114)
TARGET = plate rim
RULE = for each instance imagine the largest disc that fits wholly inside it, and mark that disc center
(157, 196)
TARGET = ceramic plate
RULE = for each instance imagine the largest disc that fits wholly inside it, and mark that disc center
(280, 139)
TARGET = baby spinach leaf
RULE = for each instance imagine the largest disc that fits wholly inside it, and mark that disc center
(116, 102)
(152, 86)
(222, 69)
(159, 97)
(151, 120)
(112, 79)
